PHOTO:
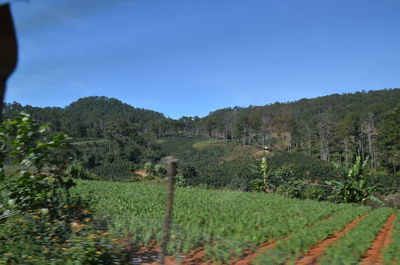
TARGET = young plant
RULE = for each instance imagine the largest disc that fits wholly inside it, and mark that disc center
(149, 168)
(262, 184)
(355, 189)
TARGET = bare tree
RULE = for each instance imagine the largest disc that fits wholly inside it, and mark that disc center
(371, 132)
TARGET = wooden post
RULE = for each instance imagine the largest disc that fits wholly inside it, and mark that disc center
(172, 163)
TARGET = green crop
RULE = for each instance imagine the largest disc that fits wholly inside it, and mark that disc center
(289, 250)
(223, 222)
(349, 248)
(391, 254)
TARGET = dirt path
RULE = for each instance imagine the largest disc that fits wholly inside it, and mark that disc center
(374, 254)
(195, 257)
(250, 258)
(311, 257)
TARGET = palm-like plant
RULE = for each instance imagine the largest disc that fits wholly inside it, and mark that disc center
(355, 189)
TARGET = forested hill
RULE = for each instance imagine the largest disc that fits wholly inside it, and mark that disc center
(333, 128)
(90, 117)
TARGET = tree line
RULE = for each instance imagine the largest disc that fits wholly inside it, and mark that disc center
(334, 128)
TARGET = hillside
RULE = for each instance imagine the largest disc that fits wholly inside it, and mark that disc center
(219, 163)
(100, 222)
(119, 138)
(90, 117)
(332, 128)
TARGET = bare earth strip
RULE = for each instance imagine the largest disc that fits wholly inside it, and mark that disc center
(311, 257)
(374, 254)
(250, 258)
(195, 257)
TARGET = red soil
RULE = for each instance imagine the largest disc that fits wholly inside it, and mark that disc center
(148, 256)
(250, 258)
(311, 257)
(193, 258)
(374, 254)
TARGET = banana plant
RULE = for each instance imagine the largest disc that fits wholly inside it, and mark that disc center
(264, 184)
(355, 189)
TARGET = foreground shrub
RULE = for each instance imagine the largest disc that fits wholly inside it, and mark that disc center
(41, 160)
(37, 237)
(40, 223)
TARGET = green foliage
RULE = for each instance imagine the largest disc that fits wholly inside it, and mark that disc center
(116, 171)
(306, 167)
(356, 188)
(333, 128)
(205, 144)
(180, 181)
(282, 181)
(292, 188)
(42, 159)
(188, 171)
(350, 248)
(38, 237)
(77, 171)
(117, 158)
(262, 184)
(149, 168)
(391, 252)
(389, 139)
(185, 173)
(40, 222)
(289, 251)
(313, 192)
(224, 222)
(216, 164)
(160, 170)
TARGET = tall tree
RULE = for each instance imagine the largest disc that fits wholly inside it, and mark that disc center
(389, 138)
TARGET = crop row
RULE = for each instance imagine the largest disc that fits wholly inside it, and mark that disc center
(350, 248)
(223, 222)
(392, 253)
(289, 250)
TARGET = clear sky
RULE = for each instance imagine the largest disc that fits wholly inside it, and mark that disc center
(190, 57)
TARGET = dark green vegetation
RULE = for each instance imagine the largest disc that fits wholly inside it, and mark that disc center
(40, 222)
(311, 141)
(219, 163)
(212, 163)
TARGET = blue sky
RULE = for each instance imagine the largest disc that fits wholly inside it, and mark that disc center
(190, 57)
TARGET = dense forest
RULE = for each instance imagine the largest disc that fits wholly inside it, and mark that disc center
(333, 128)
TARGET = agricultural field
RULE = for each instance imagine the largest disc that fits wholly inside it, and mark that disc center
(228, 164)
(246, 228)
